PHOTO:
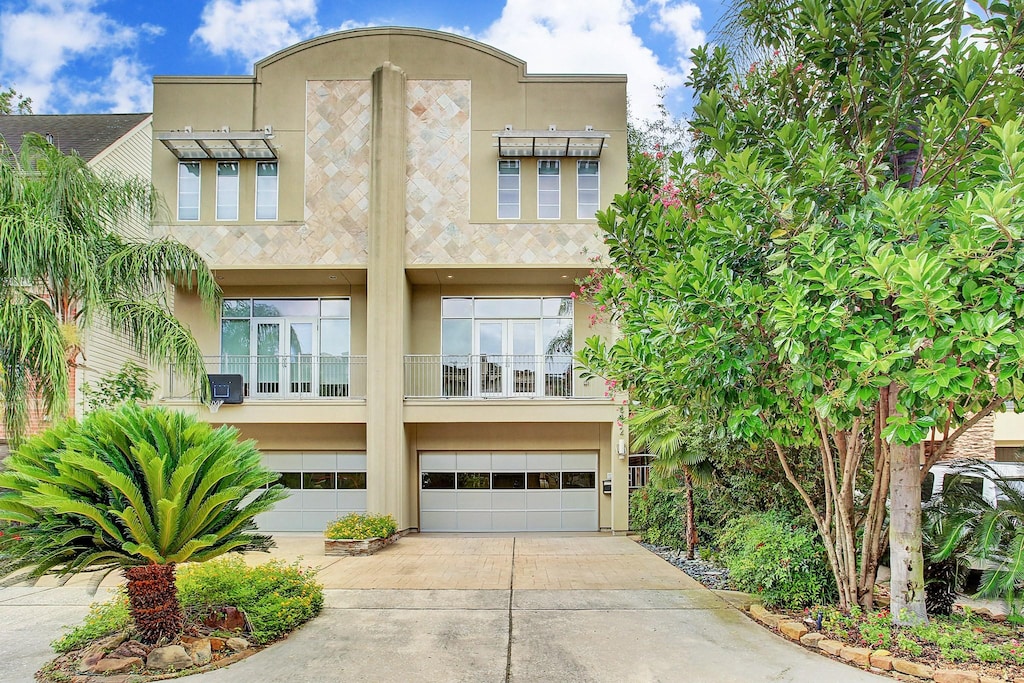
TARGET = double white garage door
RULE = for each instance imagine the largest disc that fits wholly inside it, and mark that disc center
(323, 485)
(508, 492)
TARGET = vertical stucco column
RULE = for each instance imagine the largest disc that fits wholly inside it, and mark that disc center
(386, 292)
(620, 479)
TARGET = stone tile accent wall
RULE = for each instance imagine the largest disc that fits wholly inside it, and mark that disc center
(338, 166)
(977, 442)
(437, 196)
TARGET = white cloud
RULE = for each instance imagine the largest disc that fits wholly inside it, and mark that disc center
(598, 36)
(126, 88)
(253, 29)
(40, 41)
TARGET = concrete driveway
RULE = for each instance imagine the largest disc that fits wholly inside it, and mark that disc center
(492, 608)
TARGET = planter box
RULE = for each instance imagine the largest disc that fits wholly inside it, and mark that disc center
(348, 547)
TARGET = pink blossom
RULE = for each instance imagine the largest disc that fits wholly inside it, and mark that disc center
(572, 295)
(798, 68)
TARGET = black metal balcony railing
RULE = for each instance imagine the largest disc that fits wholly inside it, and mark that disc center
(495, 376)
(300, 376)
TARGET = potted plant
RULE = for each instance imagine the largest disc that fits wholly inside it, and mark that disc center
(360, 534)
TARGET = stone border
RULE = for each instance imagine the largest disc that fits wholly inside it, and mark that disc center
(349, 547)
(878, 661)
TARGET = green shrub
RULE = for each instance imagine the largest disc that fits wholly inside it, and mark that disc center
(362, 526)
(276, 597)
(775, 556)
(658, 516)
(103, 618)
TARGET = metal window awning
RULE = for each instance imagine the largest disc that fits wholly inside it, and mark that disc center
(550, 143)
(217, 144)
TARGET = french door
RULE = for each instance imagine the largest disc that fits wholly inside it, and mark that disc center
(509, 362)
(285, 360)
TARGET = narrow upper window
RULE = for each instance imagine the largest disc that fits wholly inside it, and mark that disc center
(588, 188)
(227, 191)
(188, 191)
(549, 196)
(266, 191)
(508, 188)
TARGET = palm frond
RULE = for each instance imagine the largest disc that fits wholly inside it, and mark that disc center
(150, 485)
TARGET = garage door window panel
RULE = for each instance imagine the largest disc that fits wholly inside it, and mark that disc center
(438, 480)
(508, 480)
(351, 480)
(544, 481)
(579, 480)
(474, 480)
(318, 481)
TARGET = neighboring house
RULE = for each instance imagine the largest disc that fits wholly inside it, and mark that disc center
(107, 142)
(397, 218)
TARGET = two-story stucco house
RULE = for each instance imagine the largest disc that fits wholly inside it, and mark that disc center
(397, 218)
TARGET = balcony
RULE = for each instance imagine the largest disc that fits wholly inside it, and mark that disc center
(285, 377)
(488, 376)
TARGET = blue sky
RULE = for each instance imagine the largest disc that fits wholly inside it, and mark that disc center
(75, 56)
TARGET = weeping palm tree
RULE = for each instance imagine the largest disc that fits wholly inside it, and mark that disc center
(137, 489)
(64, 265)
(681, 455)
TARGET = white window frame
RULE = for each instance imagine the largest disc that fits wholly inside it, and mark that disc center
(557, 191)
(580, 213)
(199, 190)
(256, 200)
(237, 183)
(518, 189)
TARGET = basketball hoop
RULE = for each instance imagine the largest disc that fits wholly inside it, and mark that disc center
(214, 406)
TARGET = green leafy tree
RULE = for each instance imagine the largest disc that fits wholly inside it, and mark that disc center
(838, 265)
(130, 384)
(64, 266)
(13, 102)
(682, 451)
(138, 489)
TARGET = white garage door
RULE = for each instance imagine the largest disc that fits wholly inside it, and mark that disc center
(324, 486)
(508, 491)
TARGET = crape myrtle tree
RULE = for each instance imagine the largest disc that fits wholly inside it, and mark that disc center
(839, 262)
(64, 265)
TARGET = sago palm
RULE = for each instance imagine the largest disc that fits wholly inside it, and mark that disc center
(140, 489)
(65, 263)
(992, 535)
(681, 451)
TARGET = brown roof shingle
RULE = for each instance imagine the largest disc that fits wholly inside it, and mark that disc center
(87, 134)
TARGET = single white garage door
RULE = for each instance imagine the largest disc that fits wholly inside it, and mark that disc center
(324, 486)
(508, 491)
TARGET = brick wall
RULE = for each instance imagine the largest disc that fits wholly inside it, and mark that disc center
(37, 420)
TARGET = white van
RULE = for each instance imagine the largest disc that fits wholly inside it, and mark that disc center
(941, 473)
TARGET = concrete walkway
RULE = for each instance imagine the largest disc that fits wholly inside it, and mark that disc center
(494, 609)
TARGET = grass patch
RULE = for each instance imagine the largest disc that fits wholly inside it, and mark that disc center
(277, 597)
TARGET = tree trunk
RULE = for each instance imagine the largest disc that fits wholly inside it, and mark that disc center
(907, 559)
(153, 600)
(691, 531)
